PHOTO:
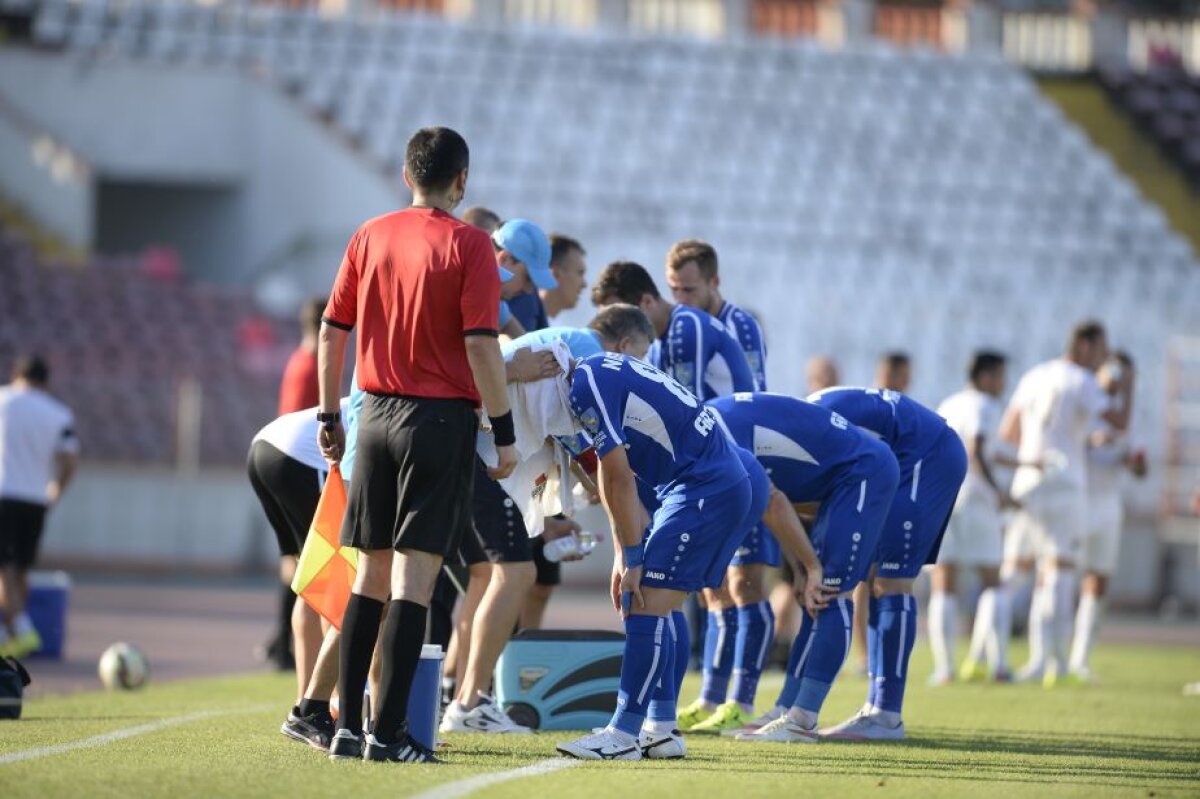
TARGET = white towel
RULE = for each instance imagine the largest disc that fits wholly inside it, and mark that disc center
(540, 409)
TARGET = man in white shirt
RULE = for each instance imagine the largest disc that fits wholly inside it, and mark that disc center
(1051, 414)
(974, 536)
(38, 455)
(1111, 453)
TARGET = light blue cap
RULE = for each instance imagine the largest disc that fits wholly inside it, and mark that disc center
(528, 244)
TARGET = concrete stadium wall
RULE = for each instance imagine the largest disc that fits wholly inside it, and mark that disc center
(62, 205)
(295, 190)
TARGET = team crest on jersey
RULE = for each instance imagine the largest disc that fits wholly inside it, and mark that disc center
(539, 486)
(590, 421)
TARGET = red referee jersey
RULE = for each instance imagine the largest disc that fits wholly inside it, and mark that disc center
(414, 282)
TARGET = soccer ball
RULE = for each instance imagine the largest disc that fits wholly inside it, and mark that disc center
(123, 667)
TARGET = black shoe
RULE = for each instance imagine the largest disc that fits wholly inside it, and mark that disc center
(315, 729)
(405, 750)
(346, 745)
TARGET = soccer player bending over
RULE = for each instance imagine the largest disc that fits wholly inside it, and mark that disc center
(933, 463)
(645, 426)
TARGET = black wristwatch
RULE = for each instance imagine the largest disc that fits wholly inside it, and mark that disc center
(329, 420)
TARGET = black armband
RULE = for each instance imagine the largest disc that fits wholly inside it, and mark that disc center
(502, 430)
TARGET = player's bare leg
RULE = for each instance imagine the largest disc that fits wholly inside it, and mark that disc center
(989, 636)
(533, 610)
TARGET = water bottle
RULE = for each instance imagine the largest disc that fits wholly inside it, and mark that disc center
(581, 543)
(559, 548)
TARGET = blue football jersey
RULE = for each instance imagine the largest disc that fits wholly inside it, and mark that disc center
(671, 439)
(804, 448)
(700, 354)
(581, 341)
(748, 334)
(528, 309)
(904, 424)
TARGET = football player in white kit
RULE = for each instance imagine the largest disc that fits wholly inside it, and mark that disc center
(1049, 419)
(1110, 454)
(974, 537)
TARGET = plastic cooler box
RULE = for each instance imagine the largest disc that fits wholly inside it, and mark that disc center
(561, 679)
(49, 595)
(424, 701)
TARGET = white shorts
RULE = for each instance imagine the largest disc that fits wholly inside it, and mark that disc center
(975, 535)
(1050, 525)
(1103, 540)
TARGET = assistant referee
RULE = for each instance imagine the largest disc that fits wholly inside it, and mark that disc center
(423, 289)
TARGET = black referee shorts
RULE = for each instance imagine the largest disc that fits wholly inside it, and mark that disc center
(497, 533)
(288, 491)
(411, 487)
(21, 525)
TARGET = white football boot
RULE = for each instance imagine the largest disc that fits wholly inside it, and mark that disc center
(781, 730)
(662, 745)
(487, 717)
(607, 745)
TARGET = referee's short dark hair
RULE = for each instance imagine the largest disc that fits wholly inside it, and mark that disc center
(32, 368)
(435, 157)
(623, 281)
(985, 361)
(621, 320)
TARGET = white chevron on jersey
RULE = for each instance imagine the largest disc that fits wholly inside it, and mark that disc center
(644, 419)
(773, 444)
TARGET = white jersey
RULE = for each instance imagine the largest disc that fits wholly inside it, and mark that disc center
(1059, 403)
(972, 413)
(295, 435)
(34, 429)
(1106, 463)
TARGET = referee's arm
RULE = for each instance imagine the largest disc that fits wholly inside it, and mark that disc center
(341, 314)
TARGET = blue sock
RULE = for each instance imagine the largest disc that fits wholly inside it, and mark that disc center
(645, 642)
(801, 648)
(756, 627)
(831, 642)
(897, 632)
(683, 649)
(663, 697)
(874, 656)
(720, 638)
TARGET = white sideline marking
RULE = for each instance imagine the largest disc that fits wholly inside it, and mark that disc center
(120, 735)
(454, 790)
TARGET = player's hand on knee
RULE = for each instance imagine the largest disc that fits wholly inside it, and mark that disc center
(631, 587)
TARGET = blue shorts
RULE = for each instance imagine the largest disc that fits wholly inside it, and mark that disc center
(758, 545)
(929, 483)
(851, 518)
(692, 538)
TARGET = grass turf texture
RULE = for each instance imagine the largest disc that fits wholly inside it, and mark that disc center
(1132, 735)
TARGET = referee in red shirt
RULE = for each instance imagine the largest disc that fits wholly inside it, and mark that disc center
(423, 290)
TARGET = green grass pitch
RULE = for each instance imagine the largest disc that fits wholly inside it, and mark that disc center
(1134, 734)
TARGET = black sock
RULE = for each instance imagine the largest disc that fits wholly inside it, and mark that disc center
(287, 601)
(360, 628)
(403, 638)
(307, 706)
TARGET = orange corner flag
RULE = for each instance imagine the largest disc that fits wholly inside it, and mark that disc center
(325, 573)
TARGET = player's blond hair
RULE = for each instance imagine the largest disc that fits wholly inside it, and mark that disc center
(701, 252)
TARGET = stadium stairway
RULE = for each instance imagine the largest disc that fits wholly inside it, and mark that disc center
(1086, 104)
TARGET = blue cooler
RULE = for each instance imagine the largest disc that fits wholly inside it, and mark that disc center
(561, 679)
(424, 702)
(49, 595)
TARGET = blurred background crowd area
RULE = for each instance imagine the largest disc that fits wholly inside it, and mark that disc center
(176, 178)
